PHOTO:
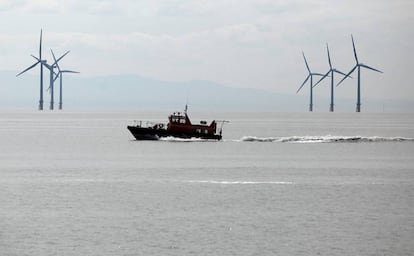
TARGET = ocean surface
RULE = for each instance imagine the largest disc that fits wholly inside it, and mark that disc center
(278, 184)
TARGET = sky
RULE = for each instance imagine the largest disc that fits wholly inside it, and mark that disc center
(238, 43)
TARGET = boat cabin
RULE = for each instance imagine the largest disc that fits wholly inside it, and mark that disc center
(178, 118)
(180, 123)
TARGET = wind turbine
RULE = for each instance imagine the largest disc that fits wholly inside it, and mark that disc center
(39, 60)
(60, 75)
(311, 82)
(331, 71)
(51, 67)
(358, 65)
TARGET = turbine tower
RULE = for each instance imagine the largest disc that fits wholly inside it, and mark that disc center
(39, 60)
(51, 67)
(358, 65)
(331, 71)
(60, 75)
(310, 75)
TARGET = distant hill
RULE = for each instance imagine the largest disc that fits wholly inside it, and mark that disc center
(138, 93)
(135, 93)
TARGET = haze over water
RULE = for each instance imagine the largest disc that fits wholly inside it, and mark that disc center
(278, 184)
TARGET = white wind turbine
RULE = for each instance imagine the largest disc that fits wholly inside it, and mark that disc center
(39, 60)
(331, 71)
(310, 75)
(60, 75)
(359, 66)
(51, 67)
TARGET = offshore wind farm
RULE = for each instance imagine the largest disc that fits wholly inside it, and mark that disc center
(330, 74)
(52, 75)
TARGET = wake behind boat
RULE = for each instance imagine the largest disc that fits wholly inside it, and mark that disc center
(179, 126)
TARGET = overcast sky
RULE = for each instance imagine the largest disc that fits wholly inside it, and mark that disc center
(239, 43)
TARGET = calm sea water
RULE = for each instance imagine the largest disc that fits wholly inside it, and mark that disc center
(278, 184)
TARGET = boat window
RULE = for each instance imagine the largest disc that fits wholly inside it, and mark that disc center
(182, 120)
(205, 131)
(198, 130)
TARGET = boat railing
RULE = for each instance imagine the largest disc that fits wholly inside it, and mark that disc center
(222, 124)
(144, 124)
(138, 123)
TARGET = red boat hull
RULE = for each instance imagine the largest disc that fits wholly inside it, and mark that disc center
(147, 133)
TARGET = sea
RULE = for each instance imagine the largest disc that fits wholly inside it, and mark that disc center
(78, 183)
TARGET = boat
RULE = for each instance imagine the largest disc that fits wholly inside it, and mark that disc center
(178, 126)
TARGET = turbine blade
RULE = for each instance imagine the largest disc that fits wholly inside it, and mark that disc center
(35, 58)
(54, 58)
(365, 66)
(69, 71)
(320, 80)
(353, 45)
(303, 83)
(307, 66)
(53, 55)
(339, 72)
(329, 57)
(347, 75)
(40, 47)
(56, 77)
(317, 74)
(32, 66)
(62, 56)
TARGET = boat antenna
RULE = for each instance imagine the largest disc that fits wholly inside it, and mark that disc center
(186, 103)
